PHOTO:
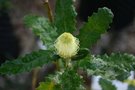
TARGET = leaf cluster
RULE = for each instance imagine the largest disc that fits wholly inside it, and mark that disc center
(114, 66)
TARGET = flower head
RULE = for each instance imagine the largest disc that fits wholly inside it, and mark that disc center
(66, 45)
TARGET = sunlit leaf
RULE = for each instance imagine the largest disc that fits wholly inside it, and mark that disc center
(46, 86)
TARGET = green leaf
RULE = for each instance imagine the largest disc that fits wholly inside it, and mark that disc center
(70, 80)
(82, 53)
(46, 86)
(106, 85)
(65, 16)
(114, 66)
(122, 64)
(97, 24)
(27, 63)
(43, 28)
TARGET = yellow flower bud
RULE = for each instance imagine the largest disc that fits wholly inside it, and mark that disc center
(66, 45)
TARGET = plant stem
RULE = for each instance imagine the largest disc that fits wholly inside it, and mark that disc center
(47, 6)
(68, 63)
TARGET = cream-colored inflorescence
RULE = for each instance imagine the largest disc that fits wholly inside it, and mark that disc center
(66, 45)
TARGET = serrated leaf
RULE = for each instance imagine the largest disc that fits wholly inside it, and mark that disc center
(106, 85)
(65, 16)
(27, 63)
(114, 66)
(122, 64)
(43, 28)
(65, 80)
(70, 80)
(97, 24)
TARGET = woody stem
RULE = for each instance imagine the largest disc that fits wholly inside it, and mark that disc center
(49, 11)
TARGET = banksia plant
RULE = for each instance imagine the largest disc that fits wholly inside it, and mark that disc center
(71, 54)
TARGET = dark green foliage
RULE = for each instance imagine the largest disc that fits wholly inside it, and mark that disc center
(115, 66)
(43, 28)
(82, 53)
(27, 63)
(65, 16)
(97, 24)
(105, 84)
